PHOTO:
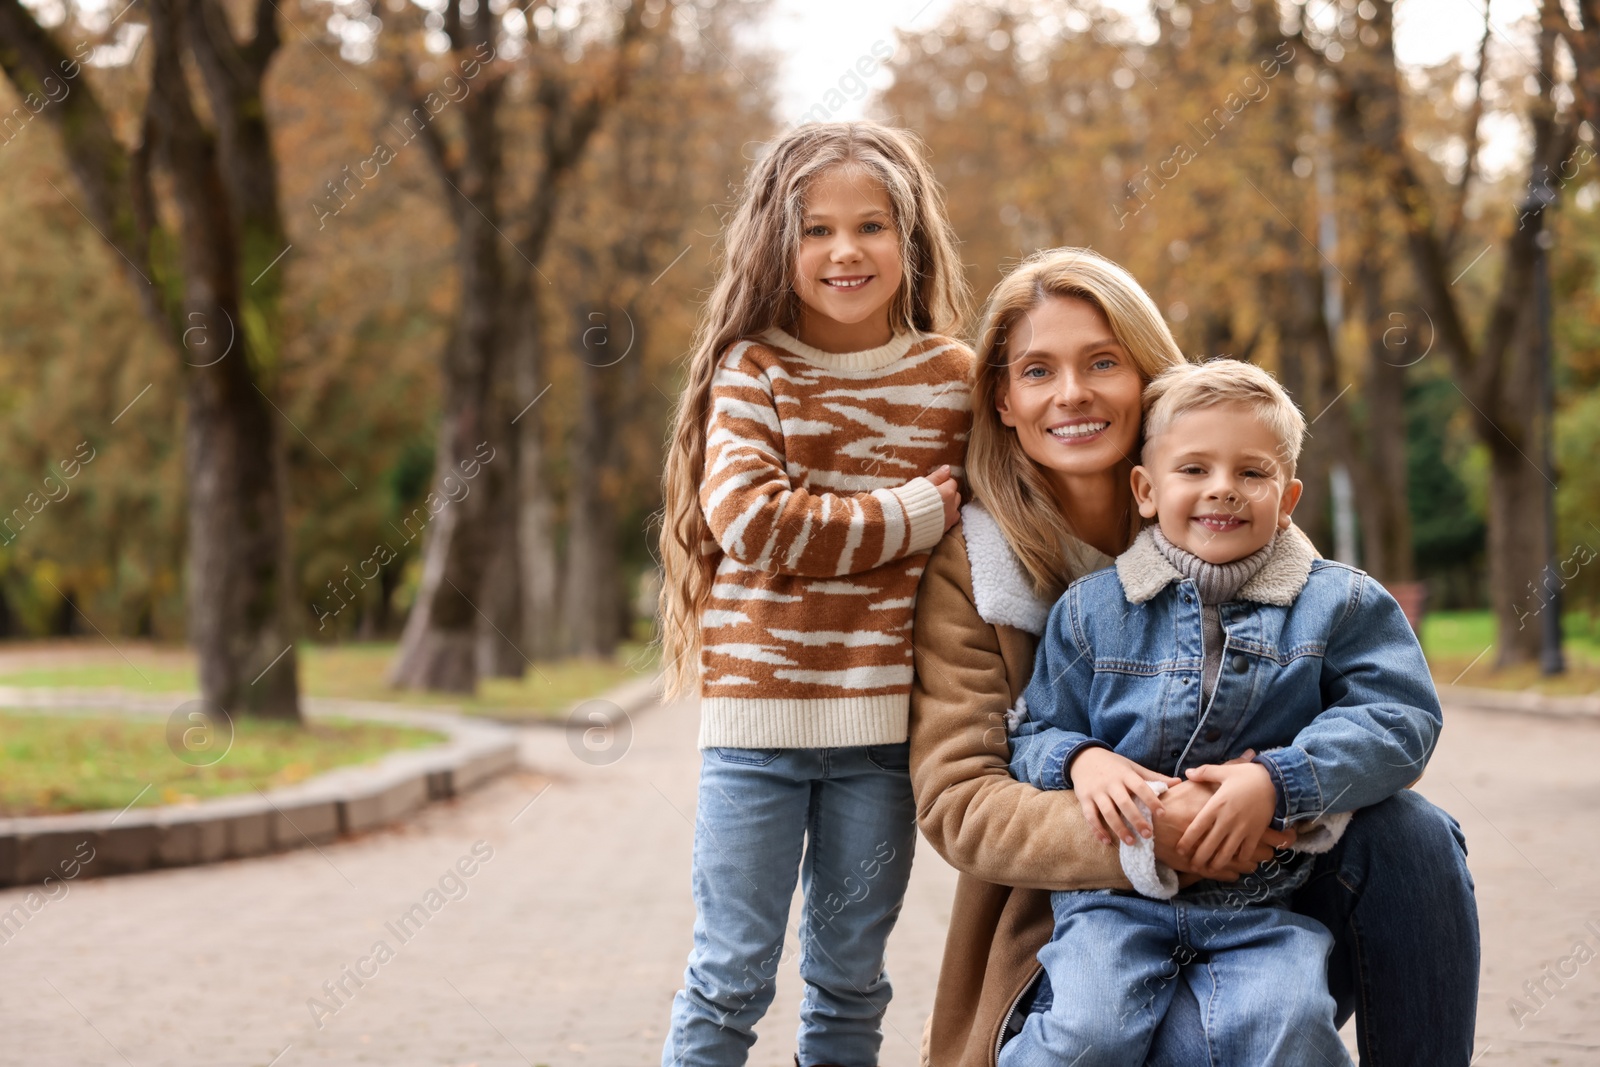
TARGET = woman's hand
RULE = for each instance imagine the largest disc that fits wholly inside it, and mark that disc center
(949, 492)
(1106, 785)
(1181, 804)
(1235, 817)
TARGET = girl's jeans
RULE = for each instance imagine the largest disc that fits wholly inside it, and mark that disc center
(1397, 896)
(844, 821)
(1115, 961)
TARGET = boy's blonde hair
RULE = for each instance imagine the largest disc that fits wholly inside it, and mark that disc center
(1192, 386)
(1009, 484)
(754, 291)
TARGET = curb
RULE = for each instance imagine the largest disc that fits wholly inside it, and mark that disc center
(629, 698)
(1521, 702)
(347, 800)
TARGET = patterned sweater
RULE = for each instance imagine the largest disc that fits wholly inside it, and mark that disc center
(822, 522)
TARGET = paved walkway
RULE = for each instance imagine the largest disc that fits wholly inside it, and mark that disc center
(564, 947)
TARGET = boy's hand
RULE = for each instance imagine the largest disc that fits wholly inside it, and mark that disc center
(1107, 784)
(1235, 817)
(1181, 805)
(949, 492)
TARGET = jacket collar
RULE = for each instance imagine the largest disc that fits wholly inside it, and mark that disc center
(1001, 589)
(1144, 571)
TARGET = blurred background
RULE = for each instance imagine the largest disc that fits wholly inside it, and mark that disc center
(338, 344)
(349, 326)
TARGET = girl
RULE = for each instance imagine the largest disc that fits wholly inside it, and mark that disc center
(798, 519)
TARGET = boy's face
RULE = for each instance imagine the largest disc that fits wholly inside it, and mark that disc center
(1215, 484)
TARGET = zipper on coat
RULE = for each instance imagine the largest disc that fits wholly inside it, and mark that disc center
(1011, 1013)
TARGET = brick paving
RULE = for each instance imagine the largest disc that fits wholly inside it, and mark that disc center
(564, 946)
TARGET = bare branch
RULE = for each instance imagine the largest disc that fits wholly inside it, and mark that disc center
(1474, 133)
(39, 68)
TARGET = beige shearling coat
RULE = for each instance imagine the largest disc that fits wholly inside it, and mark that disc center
(977, 623)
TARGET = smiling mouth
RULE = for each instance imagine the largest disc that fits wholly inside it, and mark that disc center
(1219, 523)
(847, 283)
(1077, 431)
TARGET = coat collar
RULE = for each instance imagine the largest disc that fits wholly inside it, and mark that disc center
(1144, 571)
(1001, 589)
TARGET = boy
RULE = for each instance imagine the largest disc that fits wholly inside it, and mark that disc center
(1219, 633)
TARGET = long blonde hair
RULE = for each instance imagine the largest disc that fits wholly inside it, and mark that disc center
(1003, 478)
(755, 291)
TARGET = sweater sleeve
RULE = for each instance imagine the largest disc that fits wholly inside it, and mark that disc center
(983, 821)
(759, 518)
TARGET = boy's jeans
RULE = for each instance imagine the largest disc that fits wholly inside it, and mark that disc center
(1398, 897)
(1115, 961)
(850, 810)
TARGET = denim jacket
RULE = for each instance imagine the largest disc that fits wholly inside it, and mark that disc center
(1321, 675)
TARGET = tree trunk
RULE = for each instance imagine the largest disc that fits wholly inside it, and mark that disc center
(1517, 533)
(593, 586)
(438, 649)
(502, 653)
(1386, 514)
(538, 569)
(239, 621)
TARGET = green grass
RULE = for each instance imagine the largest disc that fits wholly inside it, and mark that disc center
(1460, 650)
(353, 671)
(60, 763)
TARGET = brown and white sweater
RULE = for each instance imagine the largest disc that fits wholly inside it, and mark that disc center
(822, 521)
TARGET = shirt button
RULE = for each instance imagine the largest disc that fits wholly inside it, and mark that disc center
(1213, 735)
(1240, 664)
(1176, 753)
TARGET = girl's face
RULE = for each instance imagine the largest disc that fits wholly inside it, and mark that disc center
(849, 265)
(1071, 391)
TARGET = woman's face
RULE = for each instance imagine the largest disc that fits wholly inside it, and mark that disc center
(1071, 391)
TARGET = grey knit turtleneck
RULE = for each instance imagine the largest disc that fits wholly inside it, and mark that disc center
(1217, 584)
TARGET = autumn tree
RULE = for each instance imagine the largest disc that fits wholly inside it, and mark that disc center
(570, 74)
(191, 210)
(1496, 362)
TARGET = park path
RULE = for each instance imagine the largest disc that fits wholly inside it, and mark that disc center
(565, 946)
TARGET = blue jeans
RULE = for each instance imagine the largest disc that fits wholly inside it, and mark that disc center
(1115, 961)
(1397, 896)
(844, 821)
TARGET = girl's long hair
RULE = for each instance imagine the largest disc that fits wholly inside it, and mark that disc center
(755, 291)
(1004, 479)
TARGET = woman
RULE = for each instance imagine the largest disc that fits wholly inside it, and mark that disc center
(1068, 342)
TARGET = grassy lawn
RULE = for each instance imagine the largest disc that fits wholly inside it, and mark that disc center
(1460, 649)
(354, 671)
(59, 763)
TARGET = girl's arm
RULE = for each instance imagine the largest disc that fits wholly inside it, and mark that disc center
(1380, 719)
(760, 519)
(983, 821)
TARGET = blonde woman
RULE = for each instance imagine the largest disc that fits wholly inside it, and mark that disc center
(1068, 342)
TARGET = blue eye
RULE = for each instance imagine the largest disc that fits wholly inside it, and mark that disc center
(873, 227)
(816, 231)
(1104, 364)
